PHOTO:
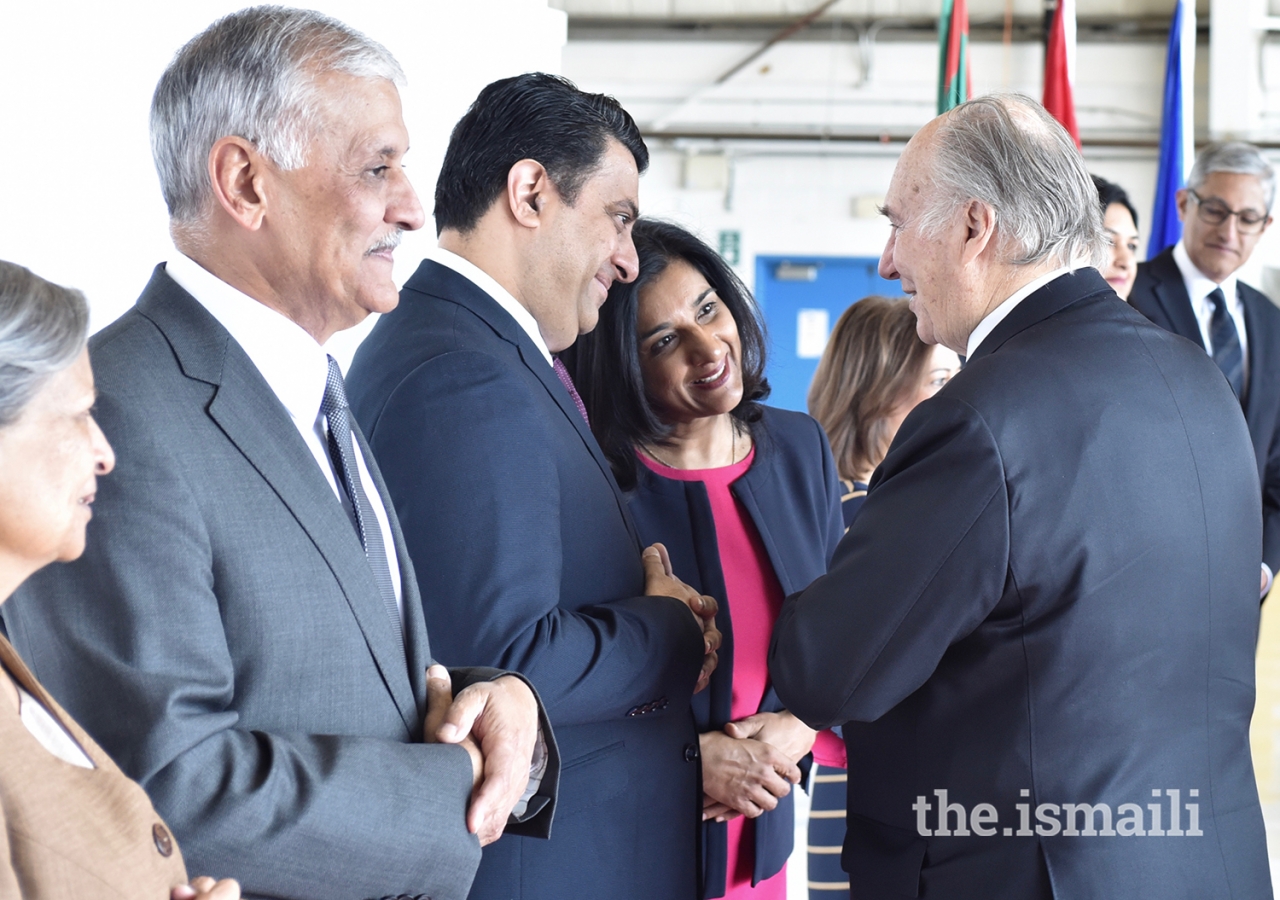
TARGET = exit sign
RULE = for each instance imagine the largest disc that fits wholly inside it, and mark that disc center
(731, 247)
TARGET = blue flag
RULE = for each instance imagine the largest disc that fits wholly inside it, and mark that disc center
(1177, 126)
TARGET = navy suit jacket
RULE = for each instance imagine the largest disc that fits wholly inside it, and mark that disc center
(1049, 597)
(791, 492)
(1161, 295)
(525, 553)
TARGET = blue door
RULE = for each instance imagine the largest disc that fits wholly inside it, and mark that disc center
(801, 298)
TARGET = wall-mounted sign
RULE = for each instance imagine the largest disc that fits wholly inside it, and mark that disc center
(731, 247)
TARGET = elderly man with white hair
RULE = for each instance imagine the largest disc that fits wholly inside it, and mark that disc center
(1193, 290)
(1038, 633)
(243, 633)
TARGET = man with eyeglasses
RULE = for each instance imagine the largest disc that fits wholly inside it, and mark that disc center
(1192, 290)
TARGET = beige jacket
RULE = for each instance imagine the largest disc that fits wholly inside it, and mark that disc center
(71, 832)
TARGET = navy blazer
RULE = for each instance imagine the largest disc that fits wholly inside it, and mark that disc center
(791, 492)
(1160, 294)
(525, 553)
(1049, 598)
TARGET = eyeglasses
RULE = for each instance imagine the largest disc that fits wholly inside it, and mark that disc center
(1215, 212)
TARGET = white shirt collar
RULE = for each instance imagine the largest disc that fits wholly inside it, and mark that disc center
(294, 365)
(483, 280)
(997, 315)
(1200, 285)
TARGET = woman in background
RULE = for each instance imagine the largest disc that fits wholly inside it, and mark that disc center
(71, 824)
(874, 371)
(1120, 221)
(745, 498)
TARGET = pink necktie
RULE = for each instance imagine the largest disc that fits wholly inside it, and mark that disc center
(563, 374)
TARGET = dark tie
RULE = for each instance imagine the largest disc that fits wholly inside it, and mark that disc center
(563, 374)
(342, 452)
(1226, 343)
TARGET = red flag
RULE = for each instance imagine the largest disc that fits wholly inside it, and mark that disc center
(1059, 67)
(954, 85)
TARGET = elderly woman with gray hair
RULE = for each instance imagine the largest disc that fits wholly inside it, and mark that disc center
(71, 824)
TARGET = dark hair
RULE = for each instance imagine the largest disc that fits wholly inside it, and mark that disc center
(532, 116)
(1109, 192)
(607, 361)
(870, 366)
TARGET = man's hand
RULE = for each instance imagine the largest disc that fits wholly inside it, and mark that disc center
(439, 702)
(742, 776)
(779, 729)
(205, 888)
(660, 581)
(501, 717)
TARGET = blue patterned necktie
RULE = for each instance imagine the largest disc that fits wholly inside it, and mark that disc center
(1226, 343)
(342, 452)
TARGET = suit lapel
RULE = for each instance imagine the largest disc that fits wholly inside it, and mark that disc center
(756, 483)
(415, 623)
(1171, 293)
(253, 419)
(1256, 358)
(537, 364)
(442, 282)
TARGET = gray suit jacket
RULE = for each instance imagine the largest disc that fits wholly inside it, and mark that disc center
(224, 640)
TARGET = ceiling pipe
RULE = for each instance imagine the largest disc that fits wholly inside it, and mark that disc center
(798, 25)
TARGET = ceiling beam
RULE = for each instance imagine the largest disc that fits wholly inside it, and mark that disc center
(756, 30)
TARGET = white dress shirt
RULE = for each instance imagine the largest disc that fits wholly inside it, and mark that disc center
(483, 280)
(296, 368)
(997, 315)
(49, 731)
(1199, 287)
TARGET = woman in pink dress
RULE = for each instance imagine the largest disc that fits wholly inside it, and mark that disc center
(745, 497)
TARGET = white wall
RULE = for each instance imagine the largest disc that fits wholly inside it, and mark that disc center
(81, 204)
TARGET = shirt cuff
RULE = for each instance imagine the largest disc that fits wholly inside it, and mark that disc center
(1266, 570)
(537, 769)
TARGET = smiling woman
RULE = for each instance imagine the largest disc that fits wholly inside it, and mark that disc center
(66, 832)
(745, 499)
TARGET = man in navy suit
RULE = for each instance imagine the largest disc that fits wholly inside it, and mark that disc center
(525, 552)
(1039, 630)
(1192, 290)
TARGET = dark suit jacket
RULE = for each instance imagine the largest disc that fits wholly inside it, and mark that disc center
(791, 492)
(1161, 295)
(527, 559)
(224, 639)
(1048, 597)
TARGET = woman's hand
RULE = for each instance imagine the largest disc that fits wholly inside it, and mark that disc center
(205, 888)
(781, 729)
(744, 776)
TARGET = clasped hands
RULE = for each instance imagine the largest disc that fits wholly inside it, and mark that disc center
(496, 722)
(660, 581)
(751, 765)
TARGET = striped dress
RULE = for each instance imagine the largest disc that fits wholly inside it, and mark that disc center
(827, 812)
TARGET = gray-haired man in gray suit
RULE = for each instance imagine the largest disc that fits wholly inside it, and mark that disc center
(244, 633)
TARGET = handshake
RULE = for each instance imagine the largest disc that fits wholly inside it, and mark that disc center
(750, 765)
(660, 581)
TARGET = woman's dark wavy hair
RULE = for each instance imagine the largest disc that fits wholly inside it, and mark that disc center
(1109, 192)
(606, 362)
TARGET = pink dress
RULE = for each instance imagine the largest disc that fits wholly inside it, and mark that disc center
(755, 598)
